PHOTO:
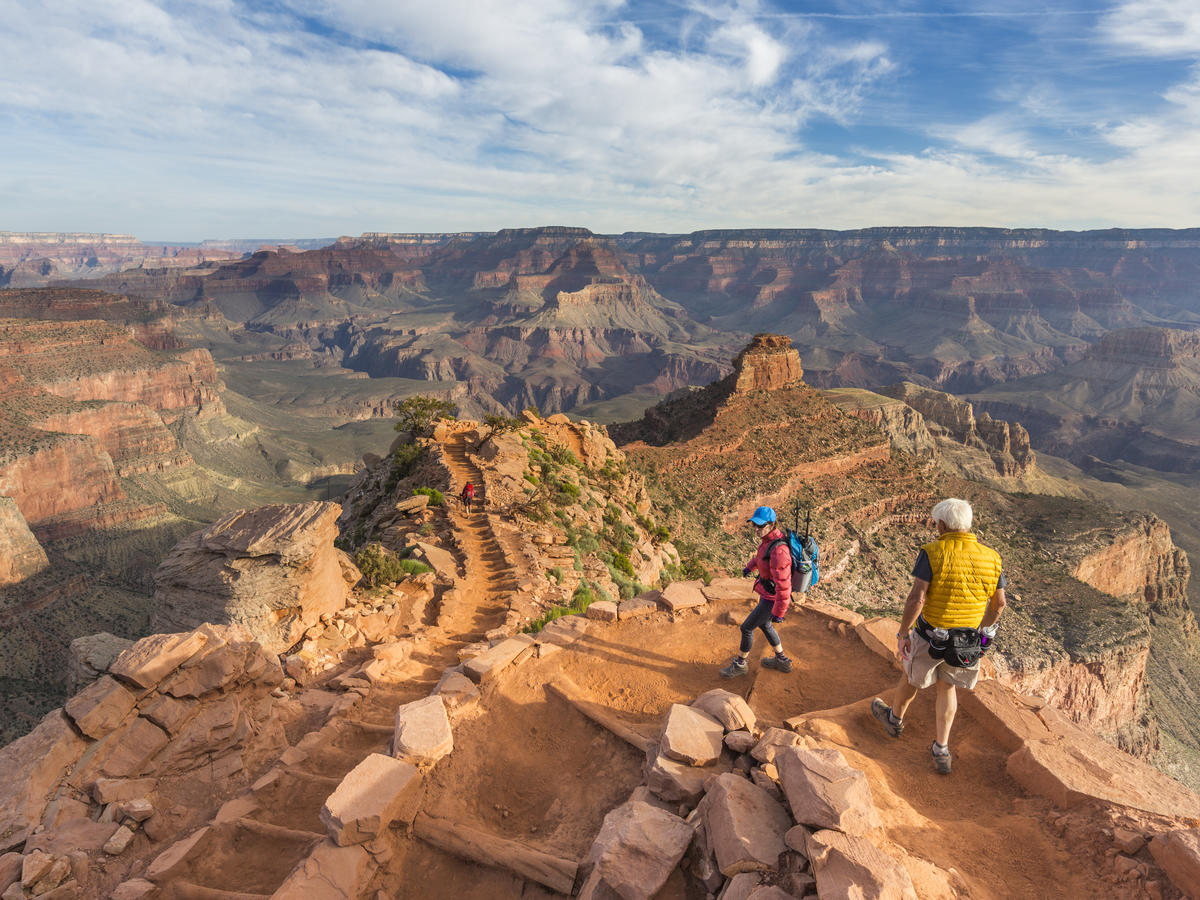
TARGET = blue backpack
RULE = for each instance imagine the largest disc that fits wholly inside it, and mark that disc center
(806, 557)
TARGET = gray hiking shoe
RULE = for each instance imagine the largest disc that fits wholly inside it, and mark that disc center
(941, 758)
(779, 662)
(736, 667)
(887, 718)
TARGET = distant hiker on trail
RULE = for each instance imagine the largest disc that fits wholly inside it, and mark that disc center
(772, 565)
(948, 622)
(467, 495)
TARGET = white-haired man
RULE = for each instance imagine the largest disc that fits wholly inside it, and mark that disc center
(957, 595)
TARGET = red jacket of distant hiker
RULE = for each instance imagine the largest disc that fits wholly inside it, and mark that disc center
(778, 569)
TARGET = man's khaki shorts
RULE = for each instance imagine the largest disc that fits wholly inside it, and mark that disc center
(923, 670)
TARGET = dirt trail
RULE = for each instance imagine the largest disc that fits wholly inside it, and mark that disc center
(533, 769)
(485, 588)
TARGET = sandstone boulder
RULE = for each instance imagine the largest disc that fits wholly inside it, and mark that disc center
(378, 791)
(153, 658)
(727, 590)
(330, 872)
(90, 656)
(1178, 853)
(423, 734)
(852, 868)
(824, 791)
(441, 561)
(692, 736)
(682, 595)
(729, 709)
(744, 824)
(10, 869)
(100, 707)
(637, 848)
(740, 741)
(33, 765)
(636, 608)
(273, 570)
(457, 691)
(230, 656)
(676, 782)
(603, 611)
(772, 741)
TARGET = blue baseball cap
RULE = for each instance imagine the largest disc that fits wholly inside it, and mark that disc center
(763, 515)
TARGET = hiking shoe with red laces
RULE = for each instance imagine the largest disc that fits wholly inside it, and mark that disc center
(941, 758)
(887, 718)
(779, 662)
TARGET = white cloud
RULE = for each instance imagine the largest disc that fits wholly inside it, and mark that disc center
(209, 119)
(1157, 27)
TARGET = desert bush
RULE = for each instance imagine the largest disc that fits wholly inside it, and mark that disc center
(500, 424)
(379, 567)
(556, 573)
(564, 456)
(436, 498)
(417, 414)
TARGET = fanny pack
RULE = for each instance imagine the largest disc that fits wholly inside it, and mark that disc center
(958, 647)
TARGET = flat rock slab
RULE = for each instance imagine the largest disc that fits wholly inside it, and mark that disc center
(836, 613)
(1178, 853)
(637, 608)
(729, 709)
(692, 736)
(682, 595)
(378, 791)
(564, 631)
(852, 868)
(724, 590)
(491, 662)
(745, 825)
(824, 791)
(100, 707)
(603, 611)
(153, 658)
(442, 561)
(879, 634)
(330, 872)
(638, 847)
(422, 734)
(1081, 767)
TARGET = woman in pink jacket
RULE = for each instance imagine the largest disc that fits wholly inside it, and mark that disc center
(773, 584)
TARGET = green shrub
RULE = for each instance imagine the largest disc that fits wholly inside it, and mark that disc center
(435, 496)
(556, 573)
(622, 564)
(426, 529)
(414, 567)
(379, 567)
(564, 456)
(418, 414)
(500, 424)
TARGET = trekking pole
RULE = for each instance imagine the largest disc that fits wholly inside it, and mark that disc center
(807, 522)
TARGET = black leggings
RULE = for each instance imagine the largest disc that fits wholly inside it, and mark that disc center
(759, 618)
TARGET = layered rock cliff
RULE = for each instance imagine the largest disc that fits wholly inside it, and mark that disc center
(21, 556)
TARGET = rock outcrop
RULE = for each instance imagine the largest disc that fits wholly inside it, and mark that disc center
(768, 363)
(273, 570)
(20, 554)
(1006, 443)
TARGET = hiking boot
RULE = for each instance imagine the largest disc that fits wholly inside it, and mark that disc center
(779, 661)
(737, 666)
(941, 758)
(887, 718)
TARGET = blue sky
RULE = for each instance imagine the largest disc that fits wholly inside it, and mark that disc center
(295, 118)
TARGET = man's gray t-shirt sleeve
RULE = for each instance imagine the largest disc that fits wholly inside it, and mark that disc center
(923, 570)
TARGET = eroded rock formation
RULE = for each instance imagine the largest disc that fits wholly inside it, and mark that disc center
(272, 570)
(20, 554)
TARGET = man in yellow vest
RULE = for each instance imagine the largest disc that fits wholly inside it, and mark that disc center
(957, 584)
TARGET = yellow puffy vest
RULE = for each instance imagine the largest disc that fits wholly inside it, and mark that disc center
(965, 575)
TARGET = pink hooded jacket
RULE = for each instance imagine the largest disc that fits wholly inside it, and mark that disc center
(778, 569)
